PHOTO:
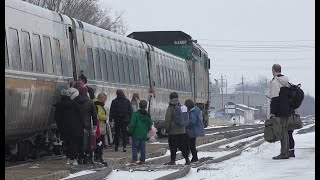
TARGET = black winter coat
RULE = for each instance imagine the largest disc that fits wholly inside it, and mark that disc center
(280, 106)
(91, 93)
(120, 109)
(67, 118)
(87, 111)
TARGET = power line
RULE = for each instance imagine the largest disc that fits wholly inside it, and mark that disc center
(283, 46)
(265, 59)
(276, 41)
(256, 50)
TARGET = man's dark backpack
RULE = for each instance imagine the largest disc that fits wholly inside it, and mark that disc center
(181, 115)
(296, 96)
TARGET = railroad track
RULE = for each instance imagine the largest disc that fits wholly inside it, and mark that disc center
(239, 133)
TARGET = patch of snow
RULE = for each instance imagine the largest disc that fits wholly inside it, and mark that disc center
(137, 175)
(158, 143)
(238, 119)
(214, 155)
(166, 154)
(80, 173)
(257, 163)
(242, 140)
(212, 127)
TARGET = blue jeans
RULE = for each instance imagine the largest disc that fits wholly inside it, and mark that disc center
(141, 145)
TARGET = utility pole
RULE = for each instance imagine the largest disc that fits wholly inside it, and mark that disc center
(222, 91)
(242, 89)
(226, 85)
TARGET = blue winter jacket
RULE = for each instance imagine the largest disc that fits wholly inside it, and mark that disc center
(195, 128)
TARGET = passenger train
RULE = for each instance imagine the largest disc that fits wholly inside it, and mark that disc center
(45, 50)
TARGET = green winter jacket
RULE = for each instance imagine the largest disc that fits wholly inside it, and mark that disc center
(169, 124)
(140, 124)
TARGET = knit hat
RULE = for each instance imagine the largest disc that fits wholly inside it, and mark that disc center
(71, 92)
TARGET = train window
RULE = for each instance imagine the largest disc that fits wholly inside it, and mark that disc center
(137, 72)
(159, 76)
(47, 55)
(121, 69)
(37, 53)
(131, 69)
(167, 78)
(26, 51)
(57, 56)
(164, 81)
(176, 80)
(14, 49)
(183, 82)
(179, 80)
(110, 67)
(126, 69)
(97, 65)
(90, 64)
(6, 53)
(115, 67)
(103, 62)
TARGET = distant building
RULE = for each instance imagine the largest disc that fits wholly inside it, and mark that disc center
(252, 99)
(231, 110)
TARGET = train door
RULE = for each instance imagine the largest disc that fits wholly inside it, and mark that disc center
(151, 81)
(73, 46)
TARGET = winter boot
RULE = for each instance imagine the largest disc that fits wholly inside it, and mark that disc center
(194, 159)
(171, 163)
(281, 156)
(187, 162)
(75, 162)
(291, 153)
(141, 162)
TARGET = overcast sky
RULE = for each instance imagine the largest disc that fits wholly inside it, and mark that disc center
(242, 37)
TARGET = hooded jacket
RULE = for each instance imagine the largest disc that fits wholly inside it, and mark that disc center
(87, 111)
(279, 94)
(120, 109)
(195, 128)
(171, 127)
(140, 124)
(67, 115)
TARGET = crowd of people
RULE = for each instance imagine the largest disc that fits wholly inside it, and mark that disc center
(86, 129)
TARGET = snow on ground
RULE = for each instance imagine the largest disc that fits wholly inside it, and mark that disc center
(214, 155)
(166, 154)
(137, 175)
(157, 143)
(80, 173)
(213, 126)
(304, 127)
(257, 164)
(242, 140)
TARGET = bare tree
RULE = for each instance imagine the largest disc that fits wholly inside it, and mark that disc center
(89, 11)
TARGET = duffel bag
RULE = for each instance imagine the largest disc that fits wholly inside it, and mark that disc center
(272, 130)
(294, 122)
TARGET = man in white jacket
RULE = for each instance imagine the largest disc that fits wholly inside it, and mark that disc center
(280, 106)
